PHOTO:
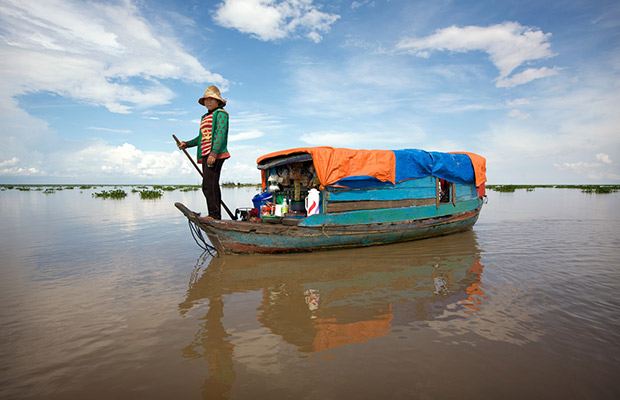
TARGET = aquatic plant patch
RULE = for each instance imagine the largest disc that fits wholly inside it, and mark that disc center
(151, 194)
(111, 194)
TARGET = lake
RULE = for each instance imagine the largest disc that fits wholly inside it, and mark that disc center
(106, 298)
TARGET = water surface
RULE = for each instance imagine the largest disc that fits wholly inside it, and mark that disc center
(113, 299)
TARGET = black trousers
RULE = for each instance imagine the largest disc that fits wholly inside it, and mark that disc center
(211, 187)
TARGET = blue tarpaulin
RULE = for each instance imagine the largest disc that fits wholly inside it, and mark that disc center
(414, 163)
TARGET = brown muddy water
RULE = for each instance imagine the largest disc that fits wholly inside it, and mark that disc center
(113, 299)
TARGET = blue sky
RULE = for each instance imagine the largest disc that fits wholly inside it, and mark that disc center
(91, 91)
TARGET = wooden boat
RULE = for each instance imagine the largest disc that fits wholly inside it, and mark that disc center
(367, 197)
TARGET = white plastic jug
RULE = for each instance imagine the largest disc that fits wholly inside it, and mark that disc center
(312, 202)
(273, 183)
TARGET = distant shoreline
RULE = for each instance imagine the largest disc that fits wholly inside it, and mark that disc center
(603, 188)
(530, 188)
(95, 185)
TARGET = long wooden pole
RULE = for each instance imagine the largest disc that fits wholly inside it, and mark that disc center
(188, 156)
(230, 214)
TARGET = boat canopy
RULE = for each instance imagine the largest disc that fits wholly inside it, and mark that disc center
(333, 164)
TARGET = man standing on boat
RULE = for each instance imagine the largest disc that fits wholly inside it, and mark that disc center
(212, 142)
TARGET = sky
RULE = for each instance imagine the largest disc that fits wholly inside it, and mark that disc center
(92, 91)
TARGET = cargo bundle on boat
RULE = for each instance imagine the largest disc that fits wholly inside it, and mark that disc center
(318, 198)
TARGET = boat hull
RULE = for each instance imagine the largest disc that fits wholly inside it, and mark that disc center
(230, 237)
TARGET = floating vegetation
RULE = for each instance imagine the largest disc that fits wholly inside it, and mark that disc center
(512, 188)
(49, 191)
(189, 188)
(151, 194)
(23, 189)
(601, 189)
(84, 187)
(530, 188)
(503, 188)
(112, 194)
(233, 184)
(166, 188)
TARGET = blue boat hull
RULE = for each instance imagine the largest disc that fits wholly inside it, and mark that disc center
(334, 231)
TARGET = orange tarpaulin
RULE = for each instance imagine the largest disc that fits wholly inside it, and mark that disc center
(332, 164)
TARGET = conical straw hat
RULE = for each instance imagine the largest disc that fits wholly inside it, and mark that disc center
(214, 92)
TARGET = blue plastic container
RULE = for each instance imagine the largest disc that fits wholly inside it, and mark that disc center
(261, 198)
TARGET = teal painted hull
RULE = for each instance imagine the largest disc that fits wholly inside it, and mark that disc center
(343, 230)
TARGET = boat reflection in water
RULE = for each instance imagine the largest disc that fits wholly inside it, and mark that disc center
(324, 300)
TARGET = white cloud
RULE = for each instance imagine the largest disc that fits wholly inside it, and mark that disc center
(12, 168)
(98, 53)
(358, 4)
(272, 20)
(247, 121)
(356, 140)
(578, 166)
(241, 167)
(96, 128)
(514, 113)
(526, 76)
(9, 163)
(236, 171)
(253, 134)
(604, 158)
(518, 102)
(509, 45)
(170, 112)
(593, 170)
(99, 161)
